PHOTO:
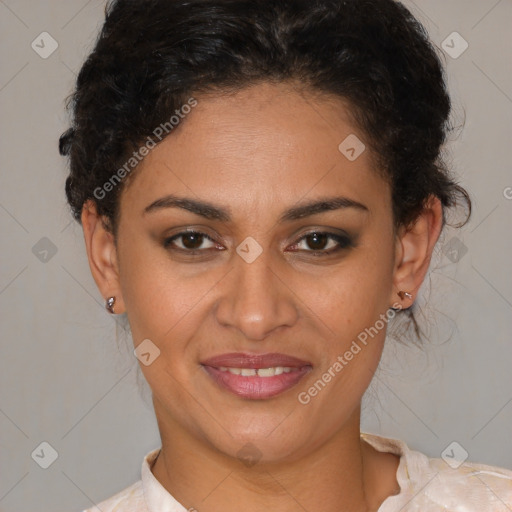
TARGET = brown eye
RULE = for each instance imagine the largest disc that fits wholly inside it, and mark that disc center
(322, 243)
(190, 241)
(317, 241)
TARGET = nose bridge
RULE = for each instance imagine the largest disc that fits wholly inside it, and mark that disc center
(256, 301)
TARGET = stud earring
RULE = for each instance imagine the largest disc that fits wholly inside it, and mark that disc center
(402, 295)
(109, 305)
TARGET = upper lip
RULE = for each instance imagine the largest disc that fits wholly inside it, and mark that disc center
(243, 360)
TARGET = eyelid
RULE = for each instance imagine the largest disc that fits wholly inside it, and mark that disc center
(342, 239)
(168, 240)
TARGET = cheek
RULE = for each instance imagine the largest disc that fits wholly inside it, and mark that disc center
(158, 303)
(153, 293)
(355, 293)
(166, 306)
(355, 306)
(357, 318)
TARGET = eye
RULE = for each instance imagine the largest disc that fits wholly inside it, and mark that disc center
(323, 243)
(320, 243)
(191, 241)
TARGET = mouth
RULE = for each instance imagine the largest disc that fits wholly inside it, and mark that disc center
(256, 376)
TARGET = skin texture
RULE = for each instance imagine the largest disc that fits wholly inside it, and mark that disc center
(257, 153)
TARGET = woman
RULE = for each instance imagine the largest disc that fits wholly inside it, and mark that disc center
(259, 185)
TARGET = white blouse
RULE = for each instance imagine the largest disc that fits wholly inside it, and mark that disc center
(426, 485)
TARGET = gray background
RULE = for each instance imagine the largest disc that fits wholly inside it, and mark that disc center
(65, 380)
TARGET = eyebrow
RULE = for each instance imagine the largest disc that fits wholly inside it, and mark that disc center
(213, 212)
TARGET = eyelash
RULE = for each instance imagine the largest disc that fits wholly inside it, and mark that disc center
(343, 242)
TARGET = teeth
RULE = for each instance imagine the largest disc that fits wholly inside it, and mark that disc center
(268, 372)
(260, 372)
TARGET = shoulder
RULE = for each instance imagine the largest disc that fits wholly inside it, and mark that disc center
(472, 485)
(135, 496)
(431, 484)
(127, 500)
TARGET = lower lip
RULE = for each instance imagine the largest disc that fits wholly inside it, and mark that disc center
(254, 387)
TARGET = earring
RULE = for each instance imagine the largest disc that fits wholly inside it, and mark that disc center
(109, 305)
(402, 294)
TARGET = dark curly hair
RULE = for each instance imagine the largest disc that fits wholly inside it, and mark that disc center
(152, 55)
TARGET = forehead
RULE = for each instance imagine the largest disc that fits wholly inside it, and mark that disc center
(263, 146)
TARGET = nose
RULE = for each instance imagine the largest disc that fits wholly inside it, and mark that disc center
(257, 299)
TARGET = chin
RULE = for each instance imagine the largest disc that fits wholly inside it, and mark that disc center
(266, 444)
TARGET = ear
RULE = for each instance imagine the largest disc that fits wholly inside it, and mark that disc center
(102, 255)
(414, 247)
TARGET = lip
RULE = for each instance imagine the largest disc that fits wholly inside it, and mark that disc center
(254, 387)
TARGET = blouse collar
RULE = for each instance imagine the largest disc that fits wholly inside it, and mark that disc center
(158, 499)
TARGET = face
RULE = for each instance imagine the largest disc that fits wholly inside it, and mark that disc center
(257, 271)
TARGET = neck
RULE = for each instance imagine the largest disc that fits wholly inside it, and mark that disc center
(343, 474)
